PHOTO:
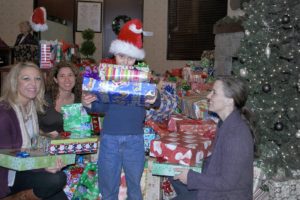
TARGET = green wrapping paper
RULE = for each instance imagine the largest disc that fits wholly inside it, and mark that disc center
(166, 169)
(76, 120)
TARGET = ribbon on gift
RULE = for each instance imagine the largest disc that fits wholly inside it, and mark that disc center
(22, 154)
(166, 187)
(76, 171)
(65, 134)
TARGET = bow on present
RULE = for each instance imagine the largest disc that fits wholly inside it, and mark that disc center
(166, 187)
(65, 134)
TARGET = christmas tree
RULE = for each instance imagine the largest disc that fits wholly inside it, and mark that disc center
(269, 58)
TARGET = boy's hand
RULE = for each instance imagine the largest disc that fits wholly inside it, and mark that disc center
(87, 99)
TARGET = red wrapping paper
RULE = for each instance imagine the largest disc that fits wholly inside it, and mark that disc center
(181, 148)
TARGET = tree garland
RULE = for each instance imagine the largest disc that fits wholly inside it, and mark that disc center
(116, 26)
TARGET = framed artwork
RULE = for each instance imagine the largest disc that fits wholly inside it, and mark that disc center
(89, 16)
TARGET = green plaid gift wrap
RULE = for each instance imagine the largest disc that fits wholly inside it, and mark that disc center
(37, 159)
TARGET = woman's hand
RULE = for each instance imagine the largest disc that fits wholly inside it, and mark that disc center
(58, 167)
(87, 99)
(182, 176)
(53, 134)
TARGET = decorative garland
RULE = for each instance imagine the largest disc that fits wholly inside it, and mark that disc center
(116, 23)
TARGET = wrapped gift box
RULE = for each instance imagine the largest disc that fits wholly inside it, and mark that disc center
(160, 128)
(201, 87)
(288, 189)
(37, 159)
(195, 106)
(172, 123)
(206, 128)
(149, 135)
(150, 185)
(181, 148)
(167, 169)
(49, 53)
(125, 93)
(168, 105)
(73, 145)
(76, 120)
(110, 72)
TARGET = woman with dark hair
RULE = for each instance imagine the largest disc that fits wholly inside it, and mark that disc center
(228, 172)
(63, 87)
(23, 97)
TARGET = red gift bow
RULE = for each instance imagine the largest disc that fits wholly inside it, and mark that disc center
(166, 186)
(65, 134)
(76, 171)
(161, 159)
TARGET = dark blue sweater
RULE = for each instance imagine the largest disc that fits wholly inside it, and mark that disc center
(122, 119)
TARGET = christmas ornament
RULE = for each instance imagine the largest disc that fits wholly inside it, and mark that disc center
(247, 32)
(243, 60)
(298, 134)
(243, 72)
(286, 19)
(268, 51)
(278, 126)
(266, 88)
(116, 23)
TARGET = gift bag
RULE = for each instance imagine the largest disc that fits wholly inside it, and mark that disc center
(87, 188)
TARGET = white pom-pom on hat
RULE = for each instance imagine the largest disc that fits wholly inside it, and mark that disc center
(129, 41)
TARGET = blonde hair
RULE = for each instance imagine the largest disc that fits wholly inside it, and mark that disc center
(10, 87)
(27, 25)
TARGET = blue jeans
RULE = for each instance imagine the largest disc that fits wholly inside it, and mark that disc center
(117, 152)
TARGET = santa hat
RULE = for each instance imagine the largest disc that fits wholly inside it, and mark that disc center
(129, 41)
(38, 19)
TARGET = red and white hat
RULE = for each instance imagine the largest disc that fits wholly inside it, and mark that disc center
(38, 19)
(129, 41)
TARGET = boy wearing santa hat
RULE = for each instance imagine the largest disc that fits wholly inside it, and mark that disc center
(122, 141)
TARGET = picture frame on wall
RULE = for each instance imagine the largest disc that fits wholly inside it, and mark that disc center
(89, 15)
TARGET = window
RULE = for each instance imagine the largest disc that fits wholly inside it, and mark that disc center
(190, 27)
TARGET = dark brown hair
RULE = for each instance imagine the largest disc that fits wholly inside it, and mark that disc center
(52, 86)
(237, 89)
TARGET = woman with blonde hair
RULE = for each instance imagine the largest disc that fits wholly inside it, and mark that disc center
(23, 97)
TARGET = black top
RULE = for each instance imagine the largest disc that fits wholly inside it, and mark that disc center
(51, 120)
(29, 39)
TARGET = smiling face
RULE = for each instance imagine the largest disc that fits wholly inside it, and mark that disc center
(122, 59)
(29, 84)
(65, 79)
(218, 102)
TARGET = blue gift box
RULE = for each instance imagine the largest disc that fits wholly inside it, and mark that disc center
(125, 93)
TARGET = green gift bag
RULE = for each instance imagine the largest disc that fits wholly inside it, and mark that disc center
(87, 188)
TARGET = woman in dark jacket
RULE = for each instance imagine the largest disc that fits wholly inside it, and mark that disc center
(228, 173)
(23, 97)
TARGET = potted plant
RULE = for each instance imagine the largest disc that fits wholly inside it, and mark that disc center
(88, 47)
